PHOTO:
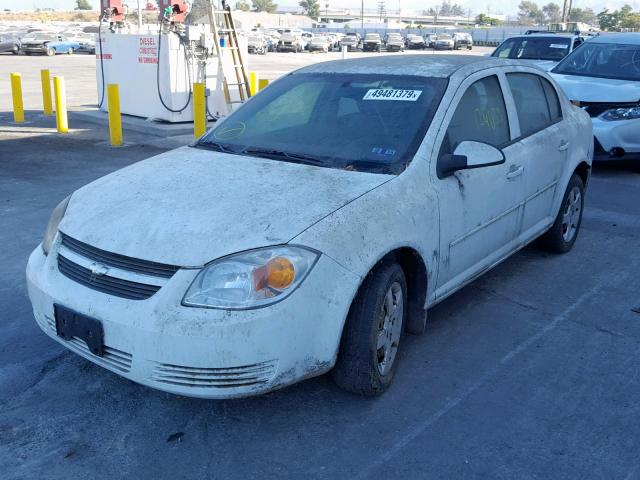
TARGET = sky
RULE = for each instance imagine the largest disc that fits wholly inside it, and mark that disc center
(507, 7)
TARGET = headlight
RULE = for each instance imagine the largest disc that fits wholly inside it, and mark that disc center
(622, 113)
(256, 278)
(52, 226)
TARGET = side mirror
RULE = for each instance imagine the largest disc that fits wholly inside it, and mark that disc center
(469, 154)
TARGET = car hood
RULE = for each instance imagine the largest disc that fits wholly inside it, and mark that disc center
(592, 89)
(190, 206)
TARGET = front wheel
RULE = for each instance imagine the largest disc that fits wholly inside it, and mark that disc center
(70, 52)
(564, 232)
(367, 358)
(50, 52)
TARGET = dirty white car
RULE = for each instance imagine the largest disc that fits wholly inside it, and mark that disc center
(313, 226)
(603, 77)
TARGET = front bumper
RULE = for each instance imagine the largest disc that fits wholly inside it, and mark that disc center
(201, 352)
(34, 49)
(612, 135)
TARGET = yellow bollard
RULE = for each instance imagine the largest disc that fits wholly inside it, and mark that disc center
(253, 82)
(199, 110)
(115, 120)
(62, 122)
(16, 91)
(262, 84)
(45, 78)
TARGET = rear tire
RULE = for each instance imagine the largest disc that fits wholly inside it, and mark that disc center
(367, 359)
(564, 232)
(70, 52)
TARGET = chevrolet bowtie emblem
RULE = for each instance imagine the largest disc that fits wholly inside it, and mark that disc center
(98, 269)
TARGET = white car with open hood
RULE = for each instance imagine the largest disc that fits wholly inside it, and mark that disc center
(313, 226)
(603, 77)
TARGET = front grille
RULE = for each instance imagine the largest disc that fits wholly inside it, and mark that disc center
(114, 358)
(105, 283)
(595, 109)
(119, 261)
(248, 375)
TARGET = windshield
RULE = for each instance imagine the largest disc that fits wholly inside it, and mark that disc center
(371, 123)
(603, 60)
(534, 48)
(445, 37)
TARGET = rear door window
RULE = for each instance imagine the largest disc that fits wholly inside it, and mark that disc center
(532, 106)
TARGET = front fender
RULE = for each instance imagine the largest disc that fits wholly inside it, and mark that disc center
(400, 213)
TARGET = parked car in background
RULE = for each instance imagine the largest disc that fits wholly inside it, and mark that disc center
(291, 41)
(544, 50)
(444, 42)
(430, 40)
(372, 43)
(394, 43)
(462, 40)
(319, 43)
(47, 44)
(603, 78)
(351, 41)
(415, 42)
(9, 45)
(86, 41)
(422, 175)
(257, 43)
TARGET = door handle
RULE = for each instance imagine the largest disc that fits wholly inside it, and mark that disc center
(563, 145)
(514, 171)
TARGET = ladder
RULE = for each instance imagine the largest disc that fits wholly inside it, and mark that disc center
(222, 25)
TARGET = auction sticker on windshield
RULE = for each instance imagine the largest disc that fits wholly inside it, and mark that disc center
(392, 94)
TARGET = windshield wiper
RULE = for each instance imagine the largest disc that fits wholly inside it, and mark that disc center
(215, 146)
(282, 155)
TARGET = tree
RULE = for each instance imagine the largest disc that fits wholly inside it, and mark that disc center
(552, 12)
(243, 6)
(529, 13)
(311, 8)
(483, 19)
(585, 15)
(83, 5)
(624, 18)
(199, 9)
(264, 6)
(447, 9)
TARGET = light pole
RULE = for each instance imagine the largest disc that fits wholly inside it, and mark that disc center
(326, 12)
(362, 15)
(139, 18)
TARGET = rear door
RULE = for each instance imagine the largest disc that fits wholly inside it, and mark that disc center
(543, 141)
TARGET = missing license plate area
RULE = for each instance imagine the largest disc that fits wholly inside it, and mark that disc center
(70, 324)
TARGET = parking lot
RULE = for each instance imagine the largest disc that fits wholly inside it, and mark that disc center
(531, 371)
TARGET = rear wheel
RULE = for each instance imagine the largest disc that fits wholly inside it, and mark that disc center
(564, 232)
(367, 358)
(70, 52)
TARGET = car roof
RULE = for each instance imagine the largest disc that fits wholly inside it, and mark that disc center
(440, 66)
(624, 38)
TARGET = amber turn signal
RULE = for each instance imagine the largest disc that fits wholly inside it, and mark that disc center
(280, 273)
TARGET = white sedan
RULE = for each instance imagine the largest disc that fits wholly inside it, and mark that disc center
(314, 225)
(603, 77)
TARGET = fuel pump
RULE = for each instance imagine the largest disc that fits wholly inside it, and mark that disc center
(113, 11)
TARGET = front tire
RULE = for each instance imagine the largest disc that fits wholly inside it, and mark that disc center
(50, 52)
(367, 358)
(564, 232)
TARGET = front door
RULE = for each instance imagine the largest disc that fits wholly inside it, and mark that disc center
(479, 208)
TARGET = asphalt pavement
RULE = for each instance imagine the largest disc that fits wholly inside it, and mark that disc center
(532, 371)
